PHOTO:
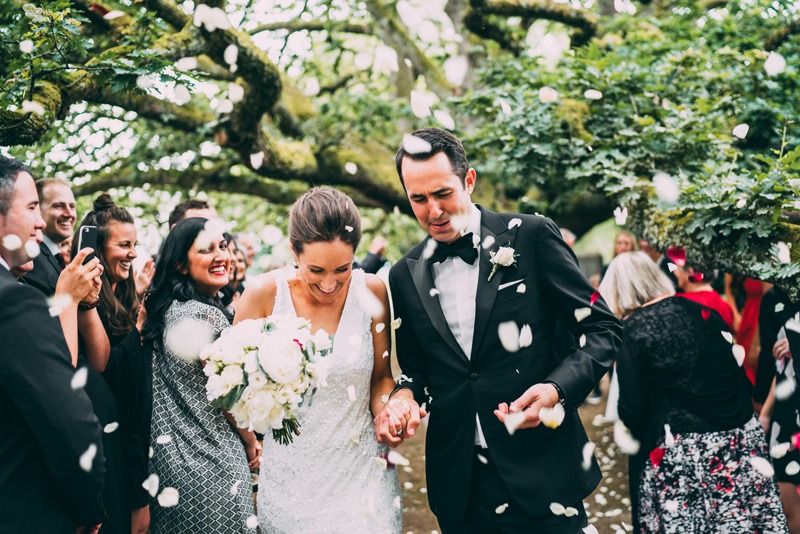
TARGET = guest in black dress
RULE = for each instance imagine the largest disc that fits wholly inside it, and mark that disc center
(703, 464)
(127, 370)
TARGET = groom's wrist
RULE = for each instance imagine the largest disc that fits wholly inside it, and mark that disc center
(398, 388)
(561, 399)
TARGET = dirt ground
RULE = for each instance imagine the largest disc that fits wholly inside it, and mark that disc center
(608, 507)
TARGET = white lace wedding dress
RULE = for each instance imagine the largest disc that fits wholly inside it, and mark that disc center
(331, 479)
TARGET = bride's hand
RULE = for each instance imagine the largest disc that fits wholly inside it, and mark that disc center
(398, 420)
(253, 450)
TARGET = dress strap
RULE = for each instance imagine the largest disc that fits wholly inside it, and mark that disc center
(283, 297)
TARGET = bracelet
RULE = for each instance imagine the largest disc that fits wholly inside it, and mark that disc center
(87, 307)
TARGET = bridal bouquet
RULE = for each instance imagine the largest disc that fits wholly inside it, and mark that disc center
(261, 370)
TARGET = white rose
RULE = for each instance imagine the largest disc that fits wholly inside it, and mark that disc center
(233, 356)
(210, 368)
(216, 387)
(248, 331)
(281, 359)
(276, 417)
(232, 376)
(250, 362)
(504, 256)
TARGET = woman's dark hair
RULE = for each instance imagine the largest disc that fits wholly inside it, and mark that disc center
(170, 283)
(323, 214)
(121, 305)
(702, 274)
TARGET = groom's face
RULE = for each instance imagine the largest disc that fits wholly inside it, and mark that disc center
(437, 196)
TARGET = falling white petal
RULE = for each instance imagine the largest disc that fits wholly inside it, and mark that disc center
(256, 160)
(351, 392)
(525, 336)
(110, 427)
(728, 336)
(557, 508)
(421, 104)
(509, 335)
(784, 389)
(783, 254)
(396, 323)
(351, 167)
(235, 93)
(739, 354)
(779, 307)
(379, 327)
(763, 466)
(513, 223)
(385, 60)
(362, 60)
(79, 378)
(151, 484)
(455, 69)
(163, 439)
(311, 87)
(444, 119)
(666, 187)
(111, 15)
(582, 340)
(188, 337)
(620, 215)
(225, 106)
(582, 313)
(521, 288)
(369, 303)
(32, 248)
(740, 130)
(87, 458)
(397, 459)
(588, 454)
(548, 95)
(252, 521)
(168, 497)
(569, 511)
(742, 202)
(552, 417)
(592, 94)
(26, 46)
(669, 439)
(500, 509)
(186, 63)
(414, 145)
(231, 54)
(433, 292)
(775, 64)
(505, 107)
(671, 266)
(591, 529)
(513, 420)
(792, 468)
(181, 93)
(59, 303)
(488, 241)
(32, 107)
(234, 488)
(385, 354)
(624, 440)
(482, 459)
(779, 450)
(12, 242)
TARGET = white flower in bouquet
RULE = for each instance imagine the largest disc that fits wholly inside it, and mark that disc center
(281, 359)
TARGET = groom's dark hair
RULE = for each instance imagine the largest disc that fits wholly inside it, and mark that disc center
(439, 141)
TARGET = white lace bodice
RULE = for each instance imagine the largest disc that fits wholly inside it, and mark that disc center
(331, 478)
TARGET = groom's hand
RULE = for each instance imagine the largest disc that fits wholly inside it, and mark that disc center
(534, 399)
(398, 420)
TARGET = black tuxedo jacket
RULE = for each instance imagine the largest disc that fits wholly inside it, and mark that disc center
(45, 425)
(44, 275)
(538, 465)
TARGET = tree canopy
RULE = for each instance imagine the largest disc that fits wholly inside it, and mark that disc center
(681, 114)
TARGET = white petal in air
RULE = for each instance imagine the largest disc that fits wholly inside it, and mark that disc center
(783, 254)
(362, 60)
(521, 288)
(666, 187)
(252, 521)
(513, 420)
(186, 63)
(488, 241)
(482, 459)
(620, 215)
(740, 130)
(728, 336)
(168, 497)
(396, 323)
(32, 107)
(779, 307)
(582, 340)
(311, 87)
(59, 303)
(500, 509)
(414, 145)
(784, 389)
(509, 335)
(397, 459)
(111, 15)
(231, 54)
(569, 511)
(525, 336)
(271, 235)
(79, 378)
(669, 439)
(26, 46)
(163, 439)
(671, 266)
(110, 427)
(444, 118)
(548, 95)
(379, 327)
(234, 488)
(235, 93)
(187, 338)
(591, 529)
(513, 223)
(87, 458)
(763, 466)
(256, 160)
(552, 417)
(351, 392)
(225, 106)
(582, 313)
(455, 69)
(32, 249)
(792, 468)
(779, 450)
(505, 107)
(624, 440)
(385, 60)
(433, 292)
(588, 454)
(421, 104)
(557, 508)
(739, 354)
(151, 485)
(12, 242)
(742, 202)
(351, 167)
(592, 94)
(181, 94)
(775, 64)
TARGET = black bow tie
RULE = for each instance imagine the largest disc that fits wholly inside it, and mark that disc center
(463, 247)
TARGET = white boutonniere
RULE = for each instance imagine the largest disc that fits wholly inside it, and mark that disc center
(503, 257)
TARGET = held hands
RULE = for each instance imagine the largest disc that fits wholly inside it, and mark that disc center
(253, 449)
(534, 399)
(398, 420)
(81, 282)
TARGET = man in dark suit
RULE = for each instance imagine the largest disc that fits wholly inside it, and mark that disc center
(57, 204)
(52, 468)
(479, 301)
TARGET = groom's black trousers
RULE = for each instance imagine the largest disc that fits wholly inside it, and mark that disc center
(488, 492)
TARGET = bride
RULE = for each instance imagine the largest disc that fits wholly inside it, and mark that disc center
(334, 477)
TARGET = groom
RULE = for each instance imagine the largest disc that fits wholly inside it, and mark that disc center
(456, 294)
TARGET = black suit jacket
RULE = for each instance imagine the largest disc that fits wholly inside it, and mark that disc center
(538, 465)
(45, 425)
(45, 272)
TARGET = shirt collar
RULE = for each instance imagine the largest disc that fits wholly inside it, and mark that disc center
(4, 264)
(51, 245)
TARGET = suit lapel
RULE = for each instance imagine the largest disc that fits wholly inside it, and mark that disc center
(492, 225)
(423, 282)
(45, 251)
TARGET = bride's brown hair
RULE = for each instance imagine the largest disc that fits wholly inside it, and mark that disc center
(324, 214)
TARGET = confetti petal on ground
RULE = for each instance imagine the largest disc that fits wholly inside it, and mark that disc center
(110, 427)
(509, 335)
(87, 458)
(151, 484)
(591, 529)
(168, 497)
(582, 313)
(763, 466)
(79, 378)
(588, 454)
(500, 509)
(408, 485)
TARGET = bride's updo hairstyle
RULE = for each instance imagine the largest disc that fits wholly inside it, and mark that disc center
(323, 214)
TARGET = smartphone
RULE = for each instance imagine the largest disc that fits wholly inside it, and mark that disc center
(87, 237)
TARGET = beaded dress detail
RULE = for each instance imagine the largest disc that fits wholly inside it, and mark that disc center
(332, 478)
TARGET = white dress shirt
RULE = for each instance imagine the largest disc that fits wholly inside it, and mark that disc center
(51, 245)
(457, 282)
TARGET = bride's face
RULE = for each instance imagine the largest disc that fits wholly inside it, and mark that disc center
(324, 268)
